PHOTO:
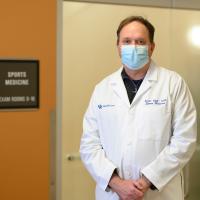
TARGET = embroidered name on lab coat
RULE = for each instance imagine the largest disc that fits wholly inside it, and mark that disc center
(155, 101)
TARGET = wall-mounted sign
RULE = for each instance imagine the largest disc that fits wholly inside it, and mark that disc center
(19, 84)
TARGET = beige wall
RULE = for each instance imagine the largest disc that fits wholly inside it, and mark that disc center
(192, 4)
(28, 30)
(89, 47)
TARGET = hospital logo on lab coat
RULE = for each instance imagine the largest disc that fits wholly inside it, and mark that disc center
(101, 106)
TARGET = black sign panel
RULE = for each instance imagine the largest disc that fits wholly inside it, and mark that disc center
(19, 84)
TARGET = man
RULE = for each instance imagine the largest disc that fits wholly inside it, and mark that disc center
(140, 127)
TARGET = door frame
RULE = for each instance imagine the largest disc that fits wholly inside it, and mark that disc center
(59, 95)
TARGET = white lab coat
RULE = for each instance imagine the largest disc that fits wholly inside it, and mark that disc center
(154, 136)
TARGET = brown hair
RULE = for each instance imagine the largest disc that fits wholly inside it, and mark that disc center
(140, 19)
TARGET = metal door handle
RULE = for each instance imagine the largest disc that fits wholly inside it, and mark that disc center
(73, 156)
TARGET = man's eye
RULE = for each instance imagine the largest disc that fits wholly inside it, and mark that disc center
(127, 42)
(140, 42)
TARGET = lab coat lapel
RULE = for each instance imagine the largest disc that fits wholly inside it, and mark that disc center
(149, 80)
(118, 86)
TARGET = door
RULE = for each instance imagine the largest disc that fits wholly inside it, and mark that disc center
(86, 60)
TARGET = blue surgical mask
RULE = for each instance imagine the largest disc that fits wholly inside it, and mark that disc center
(134, 56)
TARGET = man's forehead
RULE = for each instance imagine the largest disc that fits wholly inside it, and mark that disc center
(135, 26)
(134, 29)
(134, 38)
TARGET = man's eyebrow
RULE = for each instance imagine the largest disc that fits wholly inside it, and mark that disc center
(126, 38)
(140, 39)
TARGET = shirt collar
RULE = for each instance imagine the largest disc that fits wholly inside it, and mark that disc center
(124, 74)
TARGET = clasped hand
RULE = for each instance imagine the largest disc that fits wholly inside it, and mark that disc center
(129, 189)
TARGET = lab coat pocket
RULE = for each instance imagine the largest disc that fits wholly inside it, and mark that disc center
(155, 123)
(109, 118)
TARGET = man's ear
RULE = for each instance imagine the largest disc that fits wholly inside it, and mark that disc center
(118, 49)
(152, 47)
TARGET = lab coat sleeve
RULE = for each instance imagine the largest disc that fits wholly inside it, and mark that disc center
(91, 150)
(181, 146)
